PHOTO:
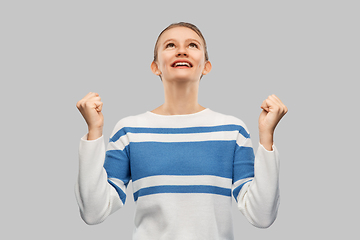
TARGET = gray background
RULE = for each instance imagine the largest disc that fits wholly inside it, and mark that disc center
(55, 52)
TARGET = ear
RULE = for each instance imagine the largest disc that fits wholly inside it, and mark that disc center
(155, 68)
(207, 68)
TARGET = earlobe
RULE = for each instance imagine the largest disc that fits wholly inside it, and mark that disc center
(207, 68)
(155, 69)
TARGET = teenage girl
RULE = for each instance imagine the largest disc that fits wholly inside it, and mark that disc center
(185, 160)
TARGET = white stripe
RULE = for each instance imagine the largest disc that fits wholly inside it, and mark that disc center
(241, 181)
(187, 137)
(120, 144)
(248, 143)
(240, 140)
(184, 137)
(209, 118)
(162, 180)
(118, 183)
(243, 142)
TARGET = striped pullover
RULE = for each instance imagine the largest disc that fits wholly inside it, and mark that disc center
(184, 169)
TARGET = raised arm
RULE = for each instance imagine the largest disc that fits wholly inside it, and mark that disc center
(256, 181)
(96, 197)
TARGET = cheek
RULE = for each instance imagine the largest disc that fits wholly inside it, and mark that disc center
(163, 60)
(201, 64)
(200, 59)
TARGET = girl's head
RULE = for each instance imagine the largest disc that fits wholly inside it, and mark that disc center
(181, 24)
(181, 53)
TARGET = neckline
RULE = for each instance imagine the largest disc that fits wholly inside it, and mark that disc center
(179, 115)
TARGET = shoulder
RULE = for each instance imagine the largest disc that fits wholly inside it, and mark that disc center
(130, 121)
(226, 119)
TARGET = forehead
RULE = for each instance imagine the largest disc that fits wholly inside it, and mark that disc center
(180, 33)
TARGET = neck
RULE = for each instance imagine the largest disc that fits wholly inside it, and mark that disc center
(180, 98)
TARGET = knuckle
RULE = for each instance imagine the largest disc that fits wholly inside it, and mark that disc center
(277, 108)
(80, 104)
(86, 104)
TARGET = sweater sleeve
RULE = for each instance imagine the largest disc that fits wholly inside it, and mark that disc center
(256, 182)
(100, 190)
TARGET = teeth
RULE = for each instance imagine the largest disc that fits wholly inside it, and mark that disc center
(182, 64)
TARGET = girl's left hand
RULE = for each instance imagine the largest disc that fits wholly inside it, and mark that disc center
(273, 111)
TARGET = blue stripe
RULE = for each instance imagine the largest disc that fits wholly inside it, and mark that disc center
(122, 195)
(237, 190)
(230, 127)
(117, 165)
(118, 135)
(243, 163)
(182, 189)
(182, 158)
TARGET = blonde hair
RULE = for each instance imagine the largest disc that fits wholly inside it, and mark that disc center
(181, 24)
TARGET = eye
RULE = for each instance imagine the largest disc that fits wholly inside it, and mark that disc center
(193, 45)
(170, 45)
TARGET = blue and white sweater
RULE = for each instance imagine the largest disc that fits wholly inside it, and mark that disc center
(184, 171)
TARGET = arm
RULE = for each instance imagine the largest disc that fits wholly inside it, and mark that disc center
(258, 196)
(258, 199)
(97, 195)
(96, 198)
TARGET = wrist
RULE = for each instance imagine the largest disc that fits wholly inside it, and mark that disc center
(94, 134)
(267, 140)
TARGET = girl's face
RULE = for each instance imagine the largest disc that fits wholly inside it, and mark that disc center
(181, 56)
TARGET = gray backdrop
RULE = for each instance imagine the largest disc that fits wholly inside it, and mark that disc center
(52, 53)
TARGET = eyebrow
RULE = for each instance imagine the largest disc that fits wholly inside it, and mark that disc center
(187, 40)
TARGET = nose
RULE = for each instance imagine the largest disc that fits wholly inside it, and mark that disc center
(181, 52)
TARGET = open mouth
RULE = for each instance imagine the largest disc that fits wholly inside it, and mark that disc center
(181, 64)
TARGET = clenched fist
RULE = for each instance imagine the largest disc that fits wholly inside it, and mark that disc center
(90, 108)
(273, 111)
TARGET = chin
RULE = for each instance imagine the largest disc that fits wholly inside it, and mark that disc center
(184, 79)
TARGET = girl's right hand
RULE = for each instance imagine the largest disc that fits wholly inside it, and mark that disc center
(90, 108)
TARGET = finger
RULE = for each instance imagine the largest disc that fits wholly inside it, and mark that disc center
(282, 106)
(265, 105)
(273, 105)
(89, 99)
(275, 99)
(90, 95)
(270, 102)
(89, 104)
(86, 98)
(95, 99)
(278, 100)
(99, 106)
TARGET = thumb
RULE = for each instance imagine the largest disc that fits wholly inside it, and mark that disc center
(98, 106)
(264, 106)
